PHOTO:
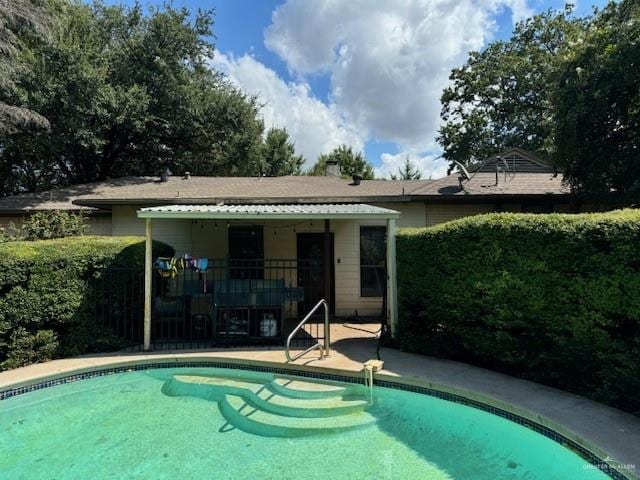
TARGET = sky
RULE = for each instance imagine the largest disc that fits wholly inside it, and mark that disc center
(367, 73)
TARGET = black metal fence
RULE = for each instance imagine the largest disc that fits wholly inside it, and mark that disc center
(117, 304)
(214, 302)
(239, 302)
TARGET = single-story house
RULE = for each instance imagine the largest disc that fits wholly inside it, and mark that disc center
(277, 245)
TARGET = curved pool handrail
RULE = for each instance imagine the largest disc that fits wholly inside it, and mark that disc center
(324, 349)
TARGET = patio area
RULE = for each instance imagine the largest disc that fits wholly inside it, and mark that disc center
(247, 274)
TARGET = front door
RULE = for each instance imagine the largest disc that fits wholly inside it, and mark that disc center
(311, 271)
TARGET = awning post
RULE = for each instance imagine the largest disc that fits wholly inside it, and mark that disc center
(148, 261)
(392, 281)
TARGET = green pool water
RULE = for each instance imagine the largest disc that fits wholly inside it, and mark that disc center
(207, 423)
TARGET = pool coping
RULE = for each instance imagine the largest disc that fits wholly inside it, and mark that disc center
(591, 453)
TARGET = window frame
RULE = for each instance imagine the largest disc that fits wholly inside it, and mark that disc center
(246, 266)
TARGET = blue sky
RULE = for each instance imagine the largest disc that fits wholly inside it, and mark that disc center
(364, 72)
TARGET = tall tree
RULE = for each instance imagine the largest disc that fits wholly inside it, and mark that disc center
(408, 171)
(597, 106)
(16, 16)
(279, 155)
(350, 163)
(500, 97)
(128, 94)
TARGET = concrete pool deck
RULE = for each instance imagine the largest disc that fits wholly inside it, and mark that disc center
(604, 430)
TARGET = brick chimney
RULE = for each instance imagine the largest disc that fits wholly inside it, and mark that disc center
(332, 169)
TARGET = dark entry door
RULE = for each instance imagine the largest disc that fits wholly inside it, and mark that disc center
(311, 271)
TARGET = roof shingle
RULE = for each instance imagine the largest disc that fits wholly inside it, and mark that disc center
(481, 183)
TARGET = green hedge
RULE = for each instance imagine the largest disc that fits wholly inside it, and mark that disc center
(551, 298)
(48, 294)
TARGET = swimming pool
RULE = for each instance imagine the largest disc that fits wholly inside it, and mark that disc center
(221, 423)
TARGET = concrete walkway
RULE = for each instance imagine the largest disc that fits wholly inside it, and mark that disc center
(605, 430)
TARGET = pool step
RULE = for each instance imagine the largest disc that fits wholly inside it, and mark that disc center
(214, 388)
(294, 388)
(306, 407)
(248, 417)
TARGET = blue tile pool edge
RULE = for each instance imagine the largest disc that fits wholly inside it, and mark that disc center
(602, 464)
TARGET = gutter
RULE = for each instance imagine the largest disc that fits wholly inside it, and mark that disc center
(29, 210)
(471, 198)
(102, 203)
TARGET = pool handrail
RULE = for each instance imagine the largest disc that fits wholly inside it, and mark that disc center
(324, 349)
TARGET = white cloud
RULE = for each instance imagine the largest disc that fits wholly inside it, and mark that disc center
(314, 126)
(388, 61)
(519, 8)
(430, 165)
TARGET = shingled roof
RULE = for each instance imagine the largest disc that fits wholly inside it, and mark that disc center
(515, 172)
(212, 190)
(524, 175)
(484, 183)
(61, 199)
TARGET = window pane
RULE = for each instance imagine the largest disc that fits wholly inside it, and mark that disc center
(372, 261)
(372, 248)
(246, 242)
(372, 281)
(246, 251)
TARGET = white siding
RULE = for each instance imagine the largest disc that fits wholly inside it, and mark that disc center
(347, 257)
(185, 236)
(100, 225)
(412, 214)
(443, 212)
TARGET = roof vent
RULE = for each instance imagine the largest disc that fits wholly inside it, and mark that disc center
(332, 169)
(164, 176)
(356, 180)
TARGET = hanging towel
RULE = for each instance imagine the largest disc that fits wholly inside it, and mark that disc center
(189, 261)
(202, 264)
(169, 267)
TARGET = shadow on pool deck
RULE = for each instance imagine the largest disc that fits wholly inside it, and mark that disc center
(612, 431)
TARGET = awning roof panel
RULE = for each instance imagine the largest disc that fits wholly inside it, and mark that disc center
(269, 211)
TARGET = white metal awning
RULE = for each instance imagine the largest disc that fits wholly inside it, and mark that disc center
(270, 212)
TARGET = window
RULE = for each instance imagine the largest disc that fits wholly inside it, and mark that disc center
(246, 252)
(373, 279)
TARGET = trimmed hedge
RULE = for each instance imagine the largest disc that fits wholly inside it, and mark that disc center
(551, 298)
(47, 295)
